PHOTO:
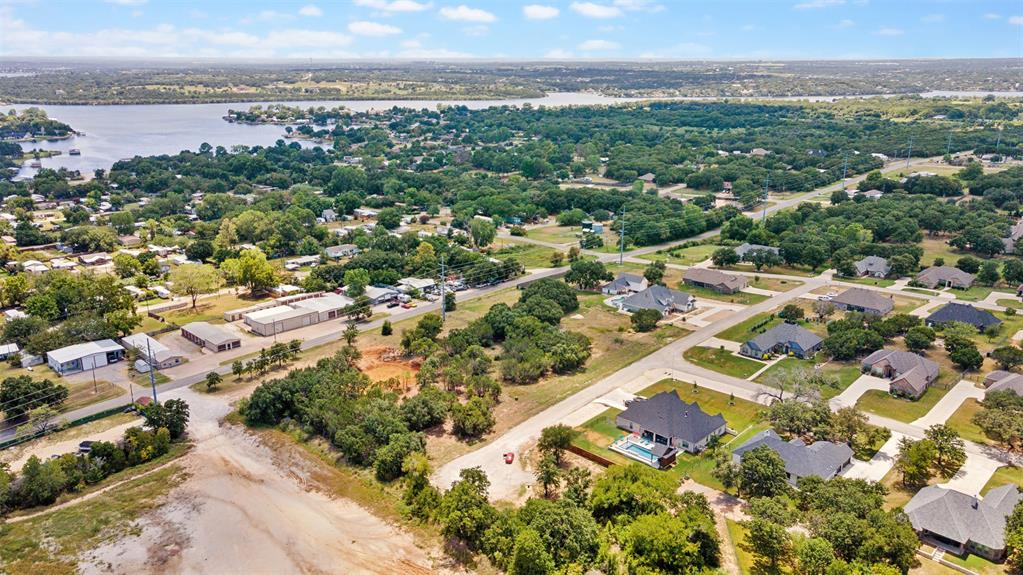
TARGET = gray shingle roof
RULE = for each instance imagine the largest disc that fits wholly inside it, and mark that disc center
(821, 459)
(667, 415)
(961, 517)
(625, 281)
(965, 313)
(936, 275)
(918, 372)
(872, 265)
(786, 333)
(657, 297)
(865, 299)
(1012, 382)
(715, 278)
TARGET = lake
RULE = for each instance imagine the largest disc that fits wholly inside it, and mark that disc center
(117, 132)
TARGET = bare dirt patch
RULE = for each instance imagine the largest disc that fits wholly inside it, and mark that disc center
(382, 363)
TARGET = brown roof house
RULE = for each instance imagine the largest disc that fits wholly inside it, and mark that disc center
(909, 373)
(864, 300)
(944, 276)
(715, 280)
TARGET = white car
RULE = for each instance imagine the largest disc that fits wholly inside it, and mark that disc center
(824, 297)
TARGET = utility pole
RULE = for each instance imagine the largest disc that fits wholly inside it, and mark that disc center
(909, 154)
(845, 169)
(443, 284)
(621, 249)
(767, 181)
(152, 368)
(948, 146)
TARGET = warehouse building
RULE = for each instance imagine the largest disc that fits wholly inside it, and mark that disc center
(212, 337)
(84, 356)
(162, 356)
(297, 314)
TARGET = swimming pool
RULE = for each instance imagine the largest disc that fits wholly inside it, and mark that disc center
(636, 449)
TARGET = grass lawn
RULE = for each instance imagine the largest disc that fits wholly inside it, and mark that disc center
(977, 564)
(743, 332)
(1013, 303)
(884, 404)
(51, 543)
(776, 270)
(898, 494)
(937, 248)
(211, 309)
(149, 325)
(868, 281)
(571, 235)
(962, 422)
(739, 414)
(1010, 325)
(87, 393)
(774, 284)
(529, 255)
(978, 293)
(924, 291)
(1005, 475)
(743, 298)
(738, 535)
(906, 304)
(846, 373)
(683, 256)
(722, 361)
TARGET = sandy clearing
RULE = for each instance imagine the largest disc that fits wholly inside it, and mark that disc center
(45, 449)
(248, 509)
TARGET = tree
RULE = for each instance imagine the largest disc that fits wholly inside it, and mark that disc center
(213, 380)
(847, 424)
(988, 274)
(968, 264)
(530, 557)
(1008, 357)
(666, 543)
(351, 333)
(356, 280)
(555, 440)
(552, 289)
(645, 319)
(547, 474)
(919, 338)
(389, 218)
(762, 473)
(813, 556)
(171, 414)
(949, 448)
(1012, 271)
(587, 275)
(199, 250)
(763, 258)
(464, 511)
(769, 543)
(126, 265)
(915, 461)
(21, 394)
(557, 258)
(724, 257)
(792, 312)
(120, 321)
(577, 485)
(967, 358)
(251, 269)
(237, 368)
(482, 232)
(386, 328)
(654, 273)
(473, 418)
(1014, 537)
(823, 309)
(193, 280)
(449, 302)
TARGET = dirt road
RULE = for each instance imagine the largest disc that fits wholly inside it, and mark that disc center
(246, 508)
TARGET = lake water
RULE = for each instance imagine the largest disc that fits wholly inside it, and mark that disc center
(117, 132)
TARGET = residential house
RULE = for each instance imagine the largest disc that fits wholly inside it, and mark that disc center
(910, 374)
(8, 349)
(715, 280)
(872, 194)
(964, 523)
(34, 266)
(965, 313)
(745, 251)
(864, 300)
(341, 251)
(96, 259)
(784, 338)
(999, 380)
(873, 266)
(84, 356)
(667, 421)
(823, 459)
(328, 215)
(944, 276)
(1015, 233)
(660, 298)
(625, 284)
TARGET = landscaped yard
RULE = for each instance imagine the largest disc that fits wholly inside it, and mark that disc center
(906, 410)
(776, 270)
(683, 256)
(845, 373)
(722, 361)
(1013, 303)
(977, 564)
(1004, 476)
(978, 293)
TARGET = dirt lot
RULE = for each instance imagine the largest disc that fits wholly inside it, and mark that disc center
(380, 364)
(247, 508)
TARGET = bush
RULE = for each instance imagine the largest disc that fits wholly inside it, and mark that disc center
(473, 418)
(645, 320)
(386, 328)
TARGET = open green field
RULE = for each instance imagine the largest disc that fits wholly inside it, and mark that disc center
(774, 284)
(886, 405)
(722, 361)
(211, 309)
(845, 373)
(683, 256)
(938, 248)
(962, 422)
(1004, 476)
(742, 298)
(529, 255)
(743, 332)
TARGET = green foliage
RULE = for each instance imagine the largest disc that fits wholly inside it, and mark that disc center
(21, 394)
(762, 473)
(645, 320)
(588, 274)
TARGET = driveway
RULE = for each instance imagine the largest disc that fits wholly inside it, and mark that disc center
(863, 384)
(948, 405)
(879, 465)
(974, 474)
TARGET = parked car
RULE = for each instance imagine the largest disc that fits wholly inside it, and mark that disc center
(85, 447)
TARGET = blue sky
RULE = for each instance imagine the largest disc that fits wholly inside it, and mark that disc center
(534, 29)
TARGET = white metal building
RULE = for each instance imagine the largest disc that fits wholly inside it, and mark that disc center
(163, 357)
(84, 356)
(297, 314)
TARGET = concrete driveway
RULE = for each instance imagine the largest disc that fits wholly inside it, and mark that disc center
(879, 465)
(974, 474)
(948, 405)
(863, 384)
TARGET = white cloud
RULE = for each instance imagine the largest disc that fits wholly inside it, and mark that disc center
(127, 2)
(395, 5)
(1016, 20)
(558, 54)
(463, 13)
(540, 12)
(992, 16)
(748, 27)
(364, 28)
(815, 4)
(267, 16)
(598, 45)
(639, 5)
(591, 10)
(310, 10)
(887, 31)
(198, 14)
(933, 18)
(845, 23)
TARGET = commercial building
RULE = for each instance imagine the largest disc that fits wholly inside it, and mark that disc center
(162, 356)
(84, 356)
(302, 313)
(212, 337)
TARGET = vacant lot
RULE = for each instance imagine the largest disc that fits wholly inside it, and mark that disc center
(529, 255)
(846, 373)
(722, 361)
(683, 256)
(211, 309)
(746, 330)
(742, 298)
